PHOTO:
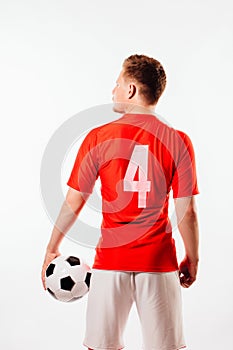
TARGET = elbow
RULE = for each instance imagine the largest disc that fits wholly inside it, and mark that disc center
(75, 200)
(189, 217)
(186, 208)
(191, 212)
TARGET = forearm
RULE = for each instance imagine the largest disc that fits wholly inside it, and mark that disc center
(186, 214)
(66, 218)
(189, 231)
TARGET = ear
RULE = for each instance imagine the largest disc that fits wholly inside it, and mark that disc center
(132, 91)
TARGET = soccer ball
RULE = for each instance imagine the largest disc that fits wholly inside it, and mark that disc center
(67, 278)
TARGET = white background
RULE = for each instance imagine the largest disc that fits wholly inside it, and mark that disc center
(59, 57)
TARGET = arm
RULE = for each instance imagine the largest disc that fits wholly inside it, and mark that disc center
(188, 227)
(68, 214)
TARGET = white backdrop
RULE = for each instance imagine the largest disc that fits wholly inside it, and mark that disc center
(59, 57)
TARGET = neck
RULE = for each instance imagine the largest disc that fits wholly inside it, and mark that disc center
(140, 109)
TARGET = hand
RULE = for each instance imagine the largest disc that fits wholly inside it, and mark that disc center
(47, 260)
(187, 272)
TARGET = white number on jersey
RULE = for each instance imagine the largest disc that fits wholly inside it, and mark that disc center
(139, 159)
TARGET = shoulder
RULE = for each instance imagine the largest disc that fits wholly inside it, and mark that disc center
(182, 134)
(93, 133)
(102, 132)
(184, 137)
(186, 145)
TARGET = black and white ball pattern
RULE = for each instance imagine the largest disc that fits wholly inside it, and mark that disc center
(67, 278)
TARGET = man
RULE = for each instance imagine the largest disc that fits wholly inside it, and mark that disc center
(139, 159)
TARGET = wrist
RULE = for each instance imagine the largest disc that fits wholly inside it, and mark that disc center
(52, 250)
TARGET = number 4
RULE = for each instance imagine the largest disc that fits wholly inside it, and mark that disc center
(139, 159)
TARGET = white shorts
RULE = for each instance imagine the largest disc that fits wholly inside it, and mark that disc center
(158, 301)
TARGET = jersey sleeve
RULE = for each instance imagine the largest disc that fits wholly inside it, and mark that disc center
(184, 182)
(85, 168)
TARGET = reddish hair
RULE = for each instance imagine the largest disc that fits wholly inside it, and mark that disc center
(150, 75)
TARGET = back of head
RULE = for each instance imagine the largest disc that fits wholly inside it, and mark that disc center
(148, 73)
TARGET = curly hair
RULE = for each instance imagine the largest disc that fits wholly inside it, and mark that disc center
(150, 75)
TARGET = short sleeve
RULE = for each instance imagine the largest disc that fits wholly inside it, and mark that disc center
(184, 183)
(85, 168)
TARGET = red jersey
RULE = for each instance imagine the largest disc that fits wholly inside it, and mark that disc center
(139, 159)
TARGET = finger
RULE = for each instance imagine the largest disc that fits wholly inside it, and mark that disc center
(43, 277)
(44, 285)
(184, 276)
(43, 282)
(186, 283)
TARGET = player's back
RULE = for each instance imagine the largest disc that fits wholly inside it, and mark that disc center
(137, 155)
(139, 159)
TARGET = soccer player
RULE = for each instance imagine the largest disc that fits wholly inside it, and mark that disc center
(139, 159)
